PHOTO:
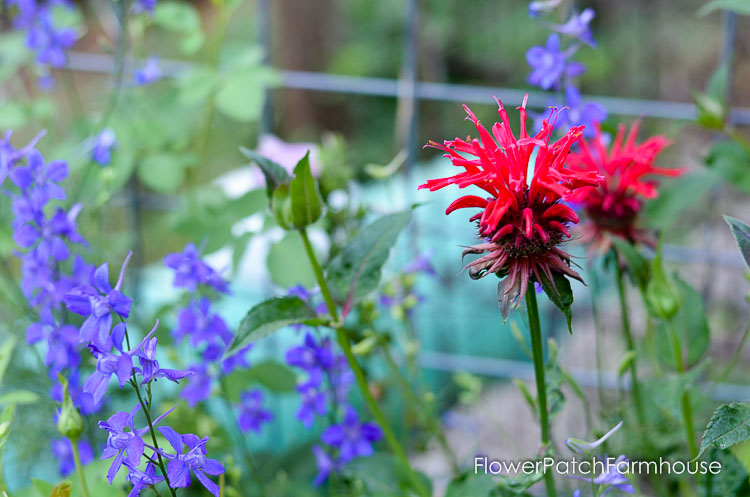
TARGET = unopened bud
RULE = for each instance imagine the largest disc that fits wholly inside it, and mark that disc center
(70, 423)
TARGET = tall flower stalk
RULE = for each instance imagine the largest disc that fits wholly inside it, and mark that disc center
(523, 221)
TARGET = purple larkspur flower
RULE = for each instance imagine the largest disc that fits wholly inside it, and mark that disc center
(326, 465)
(253, 415)
(119, 364)
(125, 442)
(198, 385)
(547, 62)
(190, 456)
(147, 6)
(98, 302)
(238, 360)
(149, 73)
(352, 438)
(191, 271)
(314, 402)
(143, 479)
(62, 449)
(300, 292)
(10, 156)
(311, 355)
(103, 145)
(150, 369)
(201, 325)
(422, 264)
(61, 340)
(541, 6)
(580, 113)
(50, 42)
(578, 27)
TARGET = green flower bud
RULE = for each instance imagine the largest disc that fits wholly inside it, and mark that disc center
(70, 423)
(662, 300)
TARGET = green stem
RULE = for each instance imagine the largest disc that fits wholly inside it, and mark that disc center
(433, 424)
(630, 343)
(537, 353)
(687, 408)
(79, 467)
(343, 340)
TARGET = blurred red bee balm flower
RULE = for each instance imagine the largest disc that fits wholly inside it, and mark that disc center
(613, 208)
(522, 220)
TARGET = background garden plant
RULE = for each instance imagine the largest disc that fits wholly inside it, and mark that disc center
(287, 317)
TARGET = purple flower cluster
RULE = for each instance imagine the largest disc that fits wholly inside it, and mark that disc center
(48, 41)
(44, 233)
(209, 334)
(150, 72)
(400, 295)
(553, 67)
(324, 390)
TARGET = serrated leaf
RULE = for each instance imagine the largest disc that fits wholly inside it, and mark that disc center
(741, 232)
(739, 6)
(356, 270)
(274, 173)
(306, 202)
(561, 294)
(729, 425)
(267, 317)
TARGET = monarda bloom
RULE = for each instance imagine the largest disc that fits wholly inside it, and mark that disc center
(614, 206)
(522, 221)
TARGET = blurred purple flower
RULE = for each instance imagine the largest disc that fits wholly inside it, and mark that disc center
(580, 113)
(547, 62)
(311, 355)
(326, 465)
(149, 73)
(578, 27)
(352, 438)
(538, 7)
(191, 271)
(147, 6)
(103, 144)
(198, 387)
(252, 413)
(313, 400)
(62, 449)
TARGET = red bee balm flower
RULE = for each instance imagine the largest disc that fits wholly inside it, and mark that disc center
(522, 221)
(613, 208)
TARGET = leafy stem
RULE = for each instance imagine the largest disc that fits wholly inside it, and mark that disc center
(343, 340)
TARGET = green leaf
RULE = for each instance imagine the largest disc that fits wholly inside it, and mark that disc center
(638, 269)
(471, 485)
(666, 392)
(163, 173)
(19, 397)
(561, 294)
(741, 232)
(43, 487)
(273, 375)
(729, 425)
(274, 173)
(356, 270)
(306, 202)
(731, 161)
(197, 85)
(739, 6)
(731, 481)
(6, 352)
(180, 17)
(676, 196)
(267, 317)
(285, 264)
(242, 94)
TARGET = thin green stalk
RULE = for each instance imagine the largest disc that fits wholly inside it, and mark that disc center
(359, 375)
(630, 343)
(598, 332)
(537, 353)
(687, 408)
(431, 421)
(79, 468)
